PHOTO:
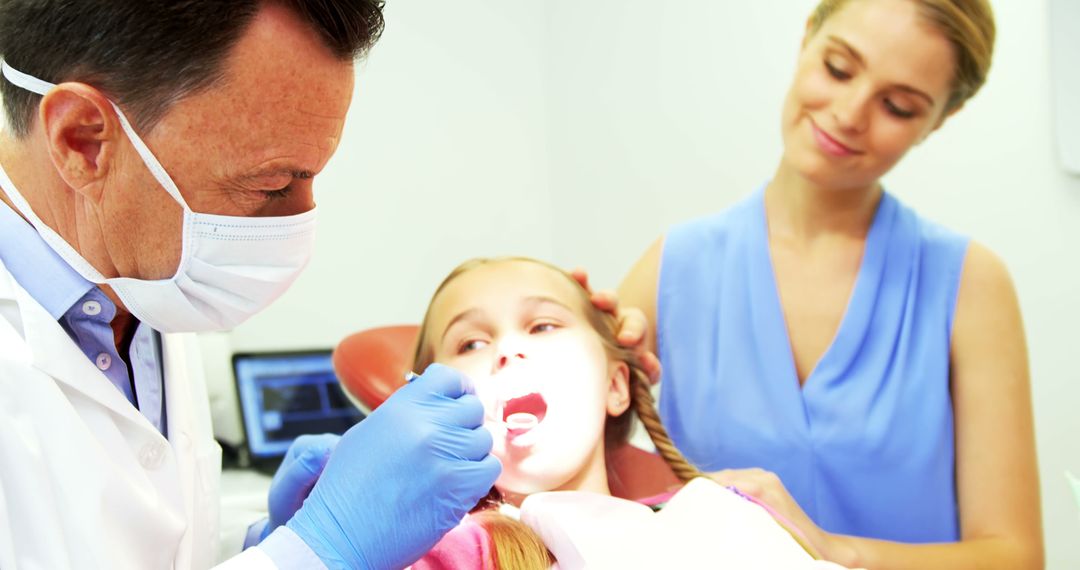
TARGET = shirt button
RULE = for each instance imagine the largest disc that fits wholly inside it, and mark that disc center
(104, 361)
(151, 456)
(92, 308)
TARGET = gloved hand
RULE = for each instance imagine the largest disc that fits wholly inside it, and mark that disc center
(402, 477)
(294, 478)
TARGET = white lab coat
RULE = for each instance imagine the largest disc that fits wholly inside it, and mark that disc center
(85, 480)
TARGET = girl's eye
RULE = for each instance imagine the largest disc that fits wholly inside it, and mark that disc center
(897, 111)
(471, 345)
(542, 328)
(836, 72)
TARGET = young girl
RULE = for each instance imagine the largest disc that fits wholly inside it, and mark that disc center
(556, 389)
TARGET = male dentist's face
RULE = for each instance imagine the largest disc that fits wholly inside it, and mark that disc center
(518, 331)
(248, 146)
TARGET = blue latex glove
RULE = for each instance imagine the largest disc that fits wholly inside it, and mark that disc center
(401, 478)
(294, 478)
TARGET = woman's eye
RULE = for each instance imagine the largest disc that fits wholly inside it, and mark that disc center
(898, 111)
(471, 345)
(836, 72)
(542, 328)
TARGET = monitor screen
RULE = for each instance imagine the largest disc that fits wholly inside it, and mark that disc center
(286, 395)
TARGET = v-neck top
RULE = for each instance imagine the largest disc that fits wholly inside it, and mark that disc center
(866, 445)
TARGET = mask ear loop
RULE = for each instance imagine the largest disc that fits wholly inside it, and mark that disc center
(28, 82)
(80, 265)
(41, 87)
(72, 257)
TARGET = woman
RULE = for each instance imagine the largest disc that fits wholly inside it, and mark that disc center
(858, 368)
(557, 391)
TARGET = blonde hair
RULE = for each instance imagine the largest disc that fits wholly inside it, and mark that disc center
(967, 24)
(515, 545)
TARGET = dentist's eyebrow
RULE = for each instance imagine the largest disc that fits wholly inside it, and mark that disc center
(859, 58)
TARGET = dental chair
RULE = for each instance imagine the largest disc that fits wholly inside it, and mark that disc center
(371, 365)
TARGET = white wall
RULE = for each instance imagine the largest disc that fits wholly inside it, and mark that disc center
(578, 130)
(661, 111)
(443, 158)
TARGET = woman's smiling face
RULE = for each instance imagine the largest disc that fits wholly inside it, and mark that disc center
(518, 330)
(871, 83)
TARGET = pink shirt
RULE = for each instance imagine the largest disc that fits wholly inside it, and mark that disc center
(466, 547)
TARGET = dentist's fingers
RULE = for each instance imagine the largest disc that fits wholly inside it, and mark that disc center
(466, 412)
(442, 380)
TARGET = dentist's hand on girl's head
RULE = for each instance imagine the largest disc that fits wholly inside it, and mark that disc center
(633, 325)
(401, 478)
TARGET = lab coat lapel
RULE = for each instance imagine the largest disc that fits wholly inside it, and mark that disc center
(55, 354)
(10, 339)
(186, 493)
(198, 455)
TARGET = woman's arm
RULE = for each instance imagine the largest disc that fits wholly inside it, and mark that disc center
(638, 289)
(996, 470)
(996, 473)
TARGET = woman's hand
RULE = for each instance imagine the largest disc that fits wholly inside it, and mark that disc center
(633, 324)
(767, 487)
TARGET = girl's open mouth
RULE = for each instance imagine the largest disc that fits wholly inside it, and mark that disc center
(523, 413)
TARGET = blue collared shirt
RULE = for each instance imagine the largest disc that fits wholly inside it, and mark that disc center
(85, 313)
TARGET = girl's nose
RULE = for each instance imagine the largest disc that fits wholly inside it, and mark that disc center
(505, 358)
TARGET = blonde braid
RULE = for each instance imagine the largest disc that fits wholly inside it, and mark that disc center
(645, 407)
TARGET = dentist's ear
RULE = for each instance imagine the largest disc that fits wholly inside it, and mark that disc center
(618, 397)
(81, 129)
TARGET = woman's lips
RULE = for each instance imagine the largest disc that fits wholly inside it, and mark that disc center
(830, 145)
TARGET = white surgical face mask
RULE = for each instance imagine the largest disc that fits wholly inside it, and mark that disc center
(231, 267)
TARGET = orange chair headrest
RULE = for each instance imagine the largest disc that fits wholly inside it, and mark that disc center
(372, 363)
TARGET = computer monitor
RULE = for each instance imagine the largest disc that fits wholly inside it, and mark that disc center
(284, 395)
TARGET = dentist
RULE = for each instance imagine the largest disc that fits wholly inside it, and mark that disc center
(156, 179)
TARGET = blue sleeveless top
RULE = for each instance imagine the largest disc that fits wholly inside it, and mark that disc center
(866, 445)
